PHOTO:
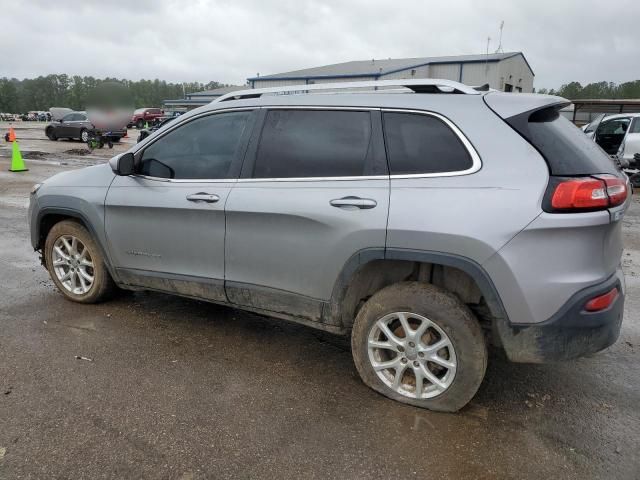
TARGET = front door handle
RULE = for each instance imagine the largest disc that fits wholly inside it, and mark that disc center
(203, 197)
(353, 202)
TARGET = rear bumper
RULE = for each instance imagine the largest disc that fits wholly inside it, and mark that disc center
(116, 133)
(572, 332)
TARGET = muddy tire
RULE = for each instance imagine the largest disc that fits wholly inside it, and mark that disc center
(433, 354)
(76, 264)
(51, 134)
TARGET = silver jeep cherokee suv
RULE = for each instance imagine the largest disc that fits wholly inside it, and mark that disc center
(422, 217)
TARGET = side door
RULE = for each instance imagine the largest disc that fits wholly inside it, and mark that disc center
(165, 225)
(630, 147)
(610, 134)
(590, 129)
(314, 192)
(66, 125)
(75, 125)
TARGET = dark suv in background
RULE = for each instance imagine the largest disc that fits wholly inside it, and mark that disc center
(77, 125)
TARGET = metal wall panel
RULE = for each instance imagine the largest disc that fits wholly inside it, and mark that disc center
(476, 74)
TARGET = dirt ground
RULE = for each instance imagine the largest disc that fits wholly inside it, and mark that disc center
(180, 389)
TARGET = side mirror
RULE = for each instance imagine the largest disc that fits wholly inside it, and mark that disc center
(123, 165)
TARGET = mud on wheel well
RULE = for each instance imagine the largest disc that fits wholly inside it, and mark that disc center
(48, 221)
(378, 274)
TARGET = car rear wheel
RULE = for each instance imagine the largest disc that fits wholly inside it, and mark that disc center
(418, 344)
(76, 264)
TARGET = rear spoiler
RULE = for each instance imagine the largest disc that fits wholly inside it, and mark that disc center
(507, 105)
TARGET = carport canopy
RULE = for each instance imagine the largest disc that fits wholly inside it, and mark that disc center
(610, 106)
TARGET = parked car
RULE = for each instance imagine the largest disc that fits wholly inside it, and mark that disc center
(401, 218)
(618, 135)
(143, 116)
(76, 125)
(145, 132)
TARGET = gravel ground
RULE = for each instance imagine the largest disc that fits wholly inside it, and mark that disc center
(180, 389)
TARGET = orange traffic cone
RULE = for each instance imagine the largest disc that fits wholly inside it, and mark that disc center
(12, 135)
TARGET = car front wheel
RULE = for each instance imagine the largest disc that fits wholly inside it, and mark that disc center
(419, 344)
(84, 135)
(76, 264)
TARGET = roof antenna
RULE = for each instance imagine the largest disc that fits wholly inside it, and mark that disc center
(499, 49)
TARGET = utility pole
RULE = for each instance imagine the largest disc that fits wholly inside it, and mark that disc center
(486, 59)
(499, 49)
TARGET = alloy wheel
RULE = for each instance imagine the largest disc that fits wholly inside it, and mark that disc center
(73, 265)
(412, 355)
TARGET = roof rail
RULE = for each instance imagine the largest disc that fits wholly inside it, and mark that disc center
(424, 85)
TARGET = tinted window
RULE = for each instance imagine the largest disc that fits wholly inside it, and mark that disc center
(567, 150)
(202, 148)
(635, 127)
(68, 117)
(423, 144)
(313, 143)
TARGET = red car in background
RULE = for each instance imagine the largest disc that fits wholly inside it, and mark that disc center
(142, 116)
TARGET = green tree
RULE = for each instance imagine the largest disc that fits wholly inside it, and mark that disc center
(41, 93)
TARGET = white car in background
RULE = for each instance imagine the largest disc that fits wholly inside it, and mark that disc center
(618, 135)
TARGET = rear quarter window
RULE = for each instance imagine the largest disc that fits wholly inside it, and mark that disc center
(418, 143)
(566, 148)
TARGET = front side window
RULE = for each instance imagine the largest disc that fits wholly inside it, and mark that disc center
(204, 148)
(313, 143)
(419, 144)
(614, 127)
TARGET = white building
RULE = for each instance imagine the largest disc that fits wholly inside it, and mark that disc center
(509, 72)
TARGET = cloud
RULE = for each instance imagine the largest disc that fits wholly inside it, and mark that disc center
(229, 41)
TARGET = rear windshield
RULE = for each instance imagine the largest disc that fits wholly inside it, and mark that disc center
(566, 148)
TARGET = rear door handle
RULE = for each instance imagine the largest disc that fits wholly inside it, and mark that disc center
(351, 202)
(203, 197)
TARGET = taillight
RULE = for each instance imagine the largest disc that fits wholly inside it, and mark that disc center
(586, 193)
(616, 189)
(602, 302)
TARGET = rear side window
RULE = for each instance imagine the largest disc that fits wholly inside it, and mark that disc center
(635, 126)
(419, 143)
(313, 143)
(567, 150)
(204, 148)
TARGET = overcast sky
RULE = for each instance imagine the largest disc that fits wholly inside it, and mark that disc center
(230, 40)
